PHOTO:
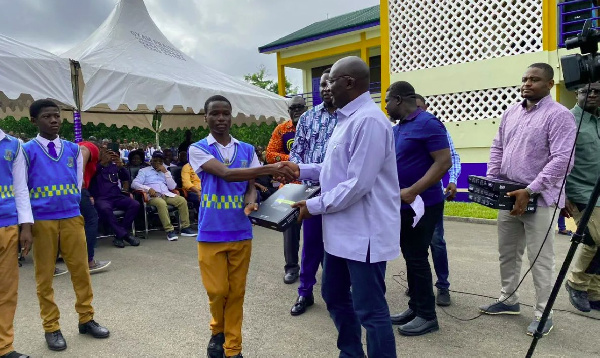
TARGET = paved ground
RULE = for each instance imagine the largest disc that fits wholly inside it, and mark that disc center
(152, 300)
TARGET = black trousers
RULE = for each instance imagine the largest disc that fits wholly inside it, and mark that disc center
(291, 246)
(414, 242)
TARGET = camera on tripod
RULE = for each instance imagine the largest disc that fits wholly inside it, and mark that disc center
(581, 69)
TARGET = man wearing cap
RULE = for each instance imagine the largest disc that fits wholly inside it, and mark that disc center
(422, 158)
(157, 182)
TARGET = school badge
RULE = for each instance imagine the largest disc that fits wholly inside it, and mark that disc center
(70, 162)
(8, 155)
(244, 164)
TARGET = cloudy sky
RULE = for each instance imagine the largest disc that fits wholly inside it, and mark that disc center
(223, 34)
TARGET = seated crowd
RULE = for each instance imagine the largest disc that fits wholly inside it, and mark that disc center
(119, 183)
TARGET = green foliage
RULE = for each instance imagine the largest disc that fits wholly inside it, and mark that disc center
(253, 134)
(258, 79)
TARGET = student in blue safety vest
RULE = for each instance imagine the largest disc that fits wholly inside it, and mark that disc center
(15, 209)
(54, 178)
(227, 169)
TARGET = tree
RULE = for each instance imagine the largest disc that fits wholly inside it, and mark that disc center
(258, 79)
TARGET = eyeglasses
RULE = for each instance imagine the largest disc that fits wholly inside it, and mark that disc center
(595, 91)
(297, 108)
(331, 80)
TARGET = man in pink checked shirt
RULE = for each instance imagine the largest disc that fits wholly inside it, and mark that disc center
(532, 146)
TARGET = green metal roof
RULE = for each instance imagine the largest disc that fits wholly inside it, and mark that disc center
(336, 25)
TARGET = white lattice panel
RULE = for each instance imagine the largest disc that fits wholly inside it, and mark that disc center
(473, 105)
(433, 33)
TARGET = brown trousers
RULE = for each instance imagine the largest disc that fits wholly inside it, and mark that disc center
(578, 278)
(9, 283)
(68, 236)
(224, 267)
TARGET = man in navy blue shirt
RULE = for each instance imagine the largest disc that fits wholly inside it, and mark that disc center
(422, 158)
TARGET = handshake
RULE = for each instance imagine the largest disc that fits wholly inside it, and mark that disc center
(286, 172)
(283, 172)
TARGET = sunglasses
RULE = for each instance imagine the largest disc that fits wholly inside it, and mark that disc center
(591, 91)
(297, 108)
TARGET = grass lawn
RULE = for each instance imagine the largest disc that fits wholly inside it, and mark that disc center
(469, 210)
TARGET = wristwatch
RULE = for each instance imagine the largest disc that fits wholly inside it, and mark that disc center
(529, 191)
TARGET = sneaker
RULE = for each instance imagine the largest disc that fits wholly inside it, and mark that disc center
(97, 266)
(500, 308)
(579, 299)
(215, 346)
(172, 236)
(59, 271)
(595, 305)
(443, 297)
(534, 326)
(188, 232)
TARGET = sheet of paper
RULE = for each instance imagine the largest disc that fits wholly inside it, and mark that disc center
(419, 208)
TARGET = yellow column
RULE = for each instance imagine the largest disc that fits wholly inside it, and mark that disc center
(385, 49)
(280, 76)
(549, 24)
(364, 51)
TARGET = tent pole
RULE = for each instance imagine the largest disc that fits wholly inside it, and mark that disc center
(76, 112)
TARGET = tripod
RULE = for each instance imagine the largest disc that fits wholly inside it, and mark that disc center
(578, 238)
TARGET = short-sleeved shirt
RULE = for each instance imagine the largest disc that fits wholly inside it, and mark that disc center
(198, 157)
(416, 137)
(90, 168)
(585, 172)
(106, 181)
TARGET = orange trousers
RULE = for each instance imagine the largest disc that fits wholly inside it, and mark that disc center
(9, 283)
(224, 267)
(68, 236)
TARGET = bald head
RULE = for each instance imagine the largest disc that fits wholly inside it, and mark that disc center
(349, 78)
(354, 67)
(297, 100)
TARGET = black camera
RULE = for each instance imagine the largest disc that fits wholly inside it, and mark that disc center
(584, 68)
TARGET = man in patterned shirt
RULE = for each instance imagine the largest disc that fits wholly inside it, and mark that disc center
(278, 150)
(439, 254)
(312, 134)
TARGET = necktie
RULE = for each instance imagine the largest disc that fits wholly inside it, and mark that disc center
(51, 149)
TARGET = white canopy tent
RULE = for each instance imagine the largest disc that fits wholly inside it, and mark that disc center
(130, 70)
(28, 73)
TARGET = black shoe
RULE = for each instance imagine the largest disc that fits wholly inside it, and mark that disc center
(132, 240)
(301, 304)
(595, 305)
(419, 326)
(579, 299)
(235, 356)
(119, 243)
(55, 341)
(403, 318)
(215, 346)
(290, 277)
(443, 297)
(94, 329)
(14, 354)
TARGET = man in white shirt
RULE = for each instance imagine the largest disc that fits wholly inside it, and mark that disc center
(157, 182)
